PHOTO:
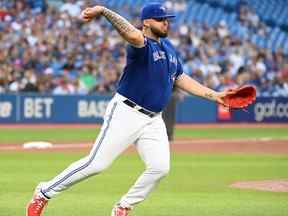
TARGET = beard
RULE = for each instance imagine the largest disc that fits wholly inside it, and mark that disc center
(158, 32)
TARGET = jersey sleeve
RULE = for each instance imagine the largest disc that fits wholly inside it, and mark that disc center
(136, 52)
(179, 70)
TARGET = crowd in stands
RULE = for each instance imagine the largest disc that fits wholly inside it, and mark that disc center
(47, 49)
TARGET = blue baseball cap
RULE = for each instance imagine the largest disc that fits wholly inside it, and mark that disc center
(155, 10)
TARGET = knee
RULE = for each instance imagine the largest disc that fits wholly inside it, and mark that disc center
(161, 170)
(95, 168)
(100, 166)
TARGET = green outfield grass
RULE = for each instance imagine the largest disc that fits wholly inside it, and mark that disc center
(197, 185)
(10, 135)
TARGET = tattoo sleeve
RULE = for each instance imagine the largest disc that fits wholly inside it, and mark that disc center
(124, 28)
(209, 96)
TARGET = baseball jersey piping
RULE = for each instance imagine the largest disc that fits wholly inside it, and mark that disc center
(90, 160)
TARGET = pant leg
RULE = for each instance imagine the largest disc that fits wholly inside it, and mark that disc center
(118, 131)
(153, 147)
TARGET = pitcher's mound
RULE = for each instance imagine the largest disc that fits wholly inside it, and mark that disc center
(265, 185)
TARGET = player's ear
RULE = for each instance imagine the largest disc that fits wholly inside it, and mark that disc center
(146, 23)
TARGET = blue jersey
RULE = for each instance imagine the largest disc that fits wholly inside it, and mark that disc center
(149, 74)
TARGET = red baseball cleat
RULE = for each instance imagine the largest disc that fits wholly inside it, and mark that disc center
(120, 211)
(36, 206)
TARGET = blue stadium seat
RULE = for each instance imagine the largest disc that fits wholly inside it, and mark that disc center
(285, 47)
(193, 13)
(280, 40)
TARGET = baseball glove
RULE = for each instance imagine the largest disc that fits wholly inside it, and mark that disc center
(241, 97)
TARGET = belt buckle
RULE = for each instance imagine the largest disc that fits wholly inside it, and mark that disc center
(137, 107)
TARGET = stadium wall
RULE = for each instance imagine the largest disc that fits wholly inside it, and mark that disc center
(31, 108)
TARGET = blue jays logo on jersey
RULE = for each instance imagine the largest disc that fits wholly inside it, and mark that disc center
(157, 55)
(172, 59)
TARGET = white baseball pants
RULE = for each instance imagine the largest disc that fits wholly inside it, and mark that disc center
(122, 126)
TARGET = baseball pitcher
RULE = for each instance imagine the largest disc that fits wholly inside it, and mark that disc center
(134, 113)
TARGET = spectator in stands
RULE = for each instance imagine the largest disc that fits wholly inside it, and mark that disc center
(40, 43)
(72, 7)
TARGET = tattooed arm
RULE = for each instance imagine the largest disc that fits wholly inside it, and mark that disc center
(191, 86)
(124, 28)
